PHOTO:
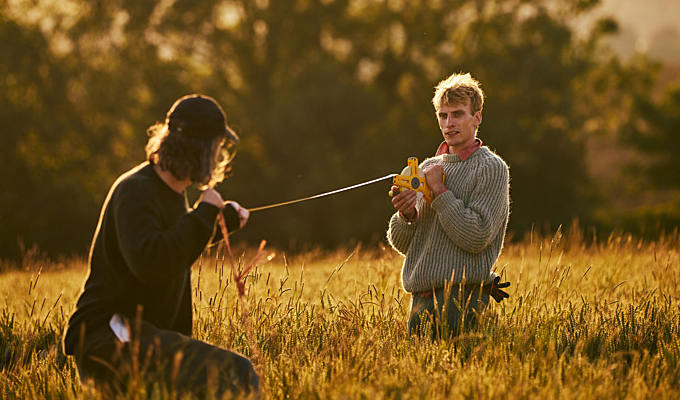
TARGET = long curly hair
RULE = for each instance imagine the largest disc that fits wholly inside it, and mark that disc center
(203, 161)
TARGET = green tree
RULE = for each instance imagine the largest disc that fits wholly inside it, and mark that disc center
(366, 70)
(76, 100)
(653, 133)
(658, 135)
(41, 150)
(325, 93)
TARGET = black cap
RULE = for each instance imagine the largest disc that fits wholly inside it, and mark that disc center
(200, 117)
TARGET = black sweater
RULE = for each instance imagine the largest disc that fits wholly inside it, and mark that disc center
(141, 255)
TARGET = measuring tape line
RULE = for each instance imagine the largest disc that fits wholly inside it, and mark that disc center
(285, 203)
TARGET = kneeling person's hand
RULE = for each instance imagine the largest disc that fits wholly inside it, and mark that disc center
(243, 214)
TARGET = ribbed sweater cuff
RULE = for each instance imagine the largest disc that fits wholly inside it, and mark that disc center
(403, 224)
(231, 217)
(443, 201)
(400, 233)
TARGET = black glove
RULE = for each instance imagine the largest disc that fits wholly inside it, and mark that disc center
(495, 290)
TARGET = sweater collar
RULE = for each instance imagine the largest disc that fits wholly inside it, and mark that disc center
(463, 154)
(147, 166)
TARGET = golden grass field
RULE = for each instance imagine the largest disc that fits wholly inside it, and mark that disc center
(584, 321)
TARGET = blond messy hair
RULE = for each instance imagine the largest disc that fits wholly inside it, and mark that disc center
(459, 89)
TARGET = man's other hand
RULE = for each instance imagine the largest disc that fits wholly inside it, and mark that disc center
(434, 176)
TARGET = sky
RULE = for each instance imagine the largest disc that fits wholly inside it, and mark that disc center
(645, 16)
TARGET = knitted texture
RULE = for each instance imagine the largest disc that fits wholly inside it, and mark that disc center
(460, 235)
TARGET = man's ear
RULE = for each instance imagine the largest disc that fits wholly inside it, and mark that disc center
(478, 117)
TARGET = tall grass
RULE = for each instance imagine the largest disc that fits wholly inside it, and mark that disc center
(584, 320)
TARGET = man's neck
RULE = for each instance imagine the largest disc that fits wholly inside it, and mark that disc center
(463, 153)
(461, 149)
(178, 185)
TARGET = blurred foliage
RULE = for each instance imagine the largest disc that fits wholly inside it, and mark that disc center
(325, 93)
(657, 131)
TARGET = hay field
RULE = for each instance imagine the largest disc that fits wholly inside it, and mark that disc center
(584, 321)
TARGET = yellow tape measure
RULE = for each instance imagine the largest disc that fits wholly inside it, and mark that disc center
(413, 178)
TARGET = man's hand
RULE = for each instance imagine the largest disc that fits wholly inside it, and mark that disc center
(495, 289)
(243, 214)
(212, 196)
(434, 176)
(405, 203)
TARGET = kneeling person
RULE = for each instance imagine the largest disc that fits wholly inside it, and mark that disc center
(135, 311)
(451, 244)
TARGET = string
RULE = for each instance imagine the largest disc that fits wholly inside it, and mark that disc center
(285, 203)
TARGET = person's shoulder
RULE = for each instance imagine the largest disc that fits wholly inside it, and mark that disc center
(489, 164)
(135, 179)
(488, 157)
(431, 160)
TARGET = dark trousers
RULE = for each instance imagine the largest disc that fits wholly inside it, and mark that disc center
(444, 313)
(153, 355)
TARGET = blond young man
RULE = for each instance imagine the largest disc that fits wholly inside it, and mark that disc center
(134, 315)
(451, 244)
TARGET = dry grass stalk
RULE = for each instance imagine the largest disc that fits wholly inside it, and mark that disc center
(240, 281)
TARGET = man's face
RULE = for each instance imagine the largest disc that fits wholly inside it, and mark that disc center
(458, 124)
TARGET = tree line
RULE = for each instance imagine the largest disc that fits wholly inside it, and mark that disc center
(324, 94)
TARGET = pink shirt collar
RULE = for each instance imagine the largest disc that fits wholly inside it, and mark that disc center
(463, 154)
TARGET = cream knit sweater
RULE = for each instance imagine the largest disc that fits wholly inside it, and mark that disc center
(459, 235)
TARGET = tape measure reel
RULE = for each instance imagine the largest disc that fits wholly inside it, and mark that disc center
(413, 178)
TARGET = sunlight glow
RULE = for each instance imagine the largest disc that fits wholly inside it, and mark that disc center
(228, 15)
